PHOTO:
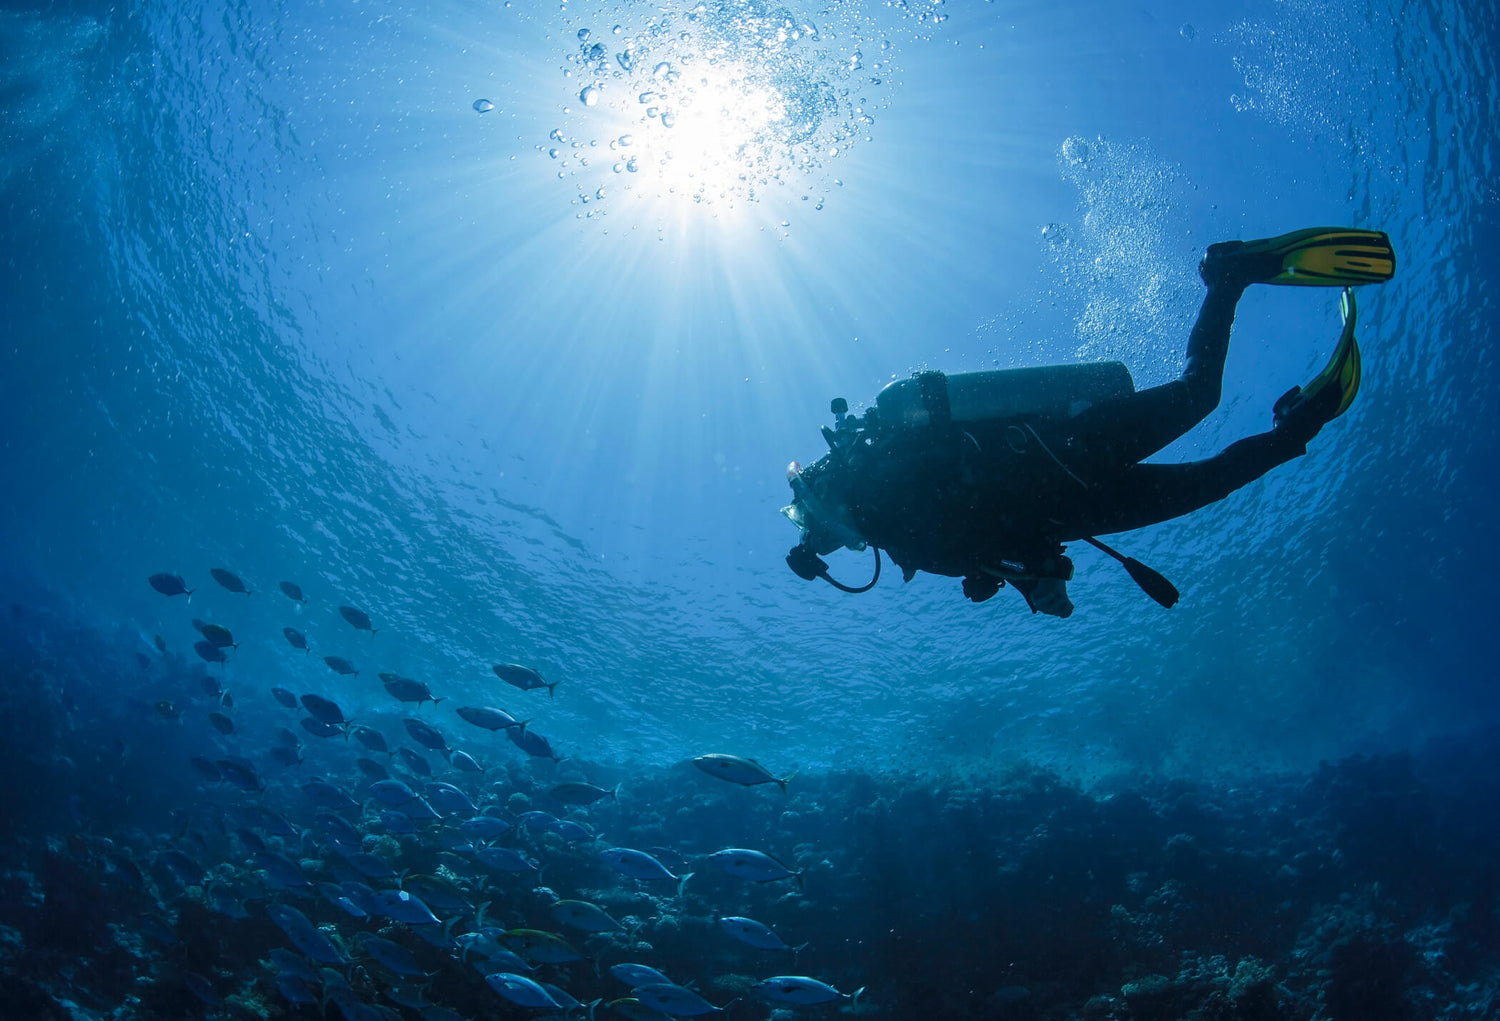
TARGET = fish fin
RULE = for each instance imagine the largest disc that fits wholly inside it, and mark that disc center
(682, 882)
(479, 915)
(552, 690)
(786, 780)
(854, 996)
(437, 700)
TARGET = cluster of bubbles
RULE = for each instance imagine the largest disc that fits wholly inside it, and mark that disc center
(718, 102)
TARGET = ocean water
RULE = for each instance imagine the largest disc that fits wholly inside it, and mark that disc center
(501, 322)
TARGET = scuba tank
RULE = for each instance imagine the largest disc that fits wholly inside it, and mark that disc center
(929, 399)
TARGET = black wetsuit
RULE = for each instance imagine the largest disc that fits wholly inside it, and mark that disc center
(965, 499)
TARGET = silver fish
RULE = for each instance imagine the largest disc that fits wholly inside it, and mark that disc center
(755, 866)
(403, 907)
(801, 991)
(746, 772)
(756, 934)
(520, 990)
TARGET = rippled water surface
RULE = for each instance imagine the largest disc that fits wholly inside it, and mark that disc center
(502, 322)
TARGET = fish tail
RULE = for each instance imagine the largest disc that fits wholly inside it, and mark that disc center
(682, 883)
(552, 690)
(796, 950)
(479, 915)
(797, 878)
(437, 700)
(854, 996)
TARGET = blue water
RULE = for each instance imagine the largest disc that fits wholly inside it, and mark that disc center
(279, 298)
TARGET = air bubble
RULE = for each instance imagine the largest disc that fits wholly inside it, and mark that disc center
(590, 95)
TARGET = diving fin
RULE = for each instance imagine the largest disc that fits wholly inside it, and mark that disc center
(1314, 257)
(1302, 411)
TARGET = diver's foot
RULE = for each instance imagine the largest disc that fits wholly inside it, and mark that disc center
(1233, 264)
(1302, 411)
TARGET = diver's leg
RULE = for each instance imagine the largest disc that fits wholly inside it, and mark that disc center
(1128, 429)
(1146, 494)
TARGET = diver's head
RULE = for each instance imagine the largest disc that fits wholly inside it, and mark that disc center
(819, 509)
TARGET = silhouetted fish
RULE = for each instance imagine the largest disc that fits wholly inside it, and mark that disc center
(523, 677)
(223, 724)
(169, 584)
(371, 739)
(286, 698)
(357, 619)
(464, 762)
(404, 689)
(216, 635)
(209, 651)
(580, 793)
(426, 736)
(414, 762)
(340, 665)
(240, 773)
(298, 640)
(286, 755)
(532, 743)
(488, 717)
(229, 580)
(372, 769)
(292, 591)
(317, 728)
(324, 710)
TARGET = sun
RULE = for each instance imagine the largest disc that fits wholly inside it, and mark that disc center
(714, 105)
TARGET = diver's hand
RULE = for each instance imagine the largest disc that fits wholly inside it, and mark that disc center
(1047, 595)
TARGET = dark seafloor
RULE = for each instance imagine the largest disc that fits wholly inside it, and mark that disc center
(134, 887)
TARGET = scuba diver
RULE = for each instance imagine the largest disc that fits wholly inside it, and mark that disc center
(985, 476)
